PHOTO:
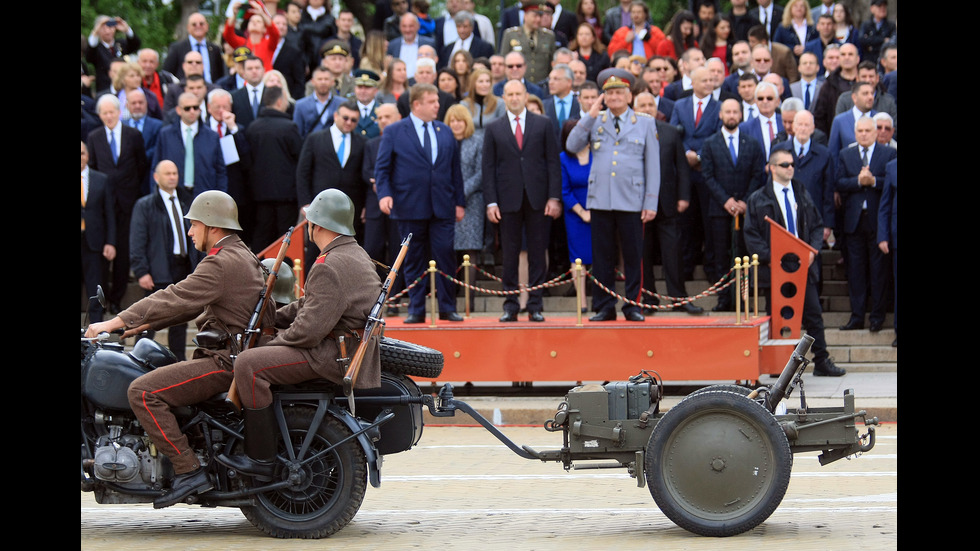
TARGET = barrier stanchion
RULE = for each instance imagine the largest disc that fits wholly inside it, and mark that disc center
(579, 291)
(433, 303)
(755, 283)
(466, 278)
(738, 291)
(298, 272)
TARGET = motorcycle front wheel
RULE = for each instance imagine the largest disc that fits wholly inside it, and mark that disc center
(332, 486)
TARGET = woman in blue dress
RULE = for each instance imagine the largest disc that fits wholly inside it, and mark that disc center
(575, 167)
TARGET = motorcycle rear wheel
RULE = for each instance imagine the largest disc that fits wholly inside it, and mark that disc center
(333, 485)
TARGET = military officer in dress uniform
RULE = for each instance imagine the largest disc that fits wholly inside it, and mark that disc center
(537, 43)
(366, 91)
(335, 55)
(624, 188)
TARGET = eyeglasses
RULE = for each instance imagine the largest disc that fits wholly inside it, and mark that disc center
(885, 128)
(765, 98)
(345, 118)
(759, 60)
(187, 108)
(786, 165)
(515, 66)
(193, 61)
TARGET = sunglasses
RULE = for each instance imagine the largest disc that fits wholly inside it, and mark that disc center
(765, 98)
(758, 60)
(191, 108)
(786, 165)
(345, 118)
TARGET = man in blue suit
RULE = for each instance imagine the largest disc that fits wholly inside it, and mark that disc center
(515, 68)
(207, 171)
(149, 127)
(842, 129)
(406, 46)
(315, 111)
(888, 228)
(696, 130)
(419, 182)
(767, 124)
(732, 166)
(562, 104)
(860, 179)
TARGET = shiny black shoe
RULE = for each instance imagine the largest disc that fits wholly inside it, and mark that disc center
(263, 470)
(184, 485)
(633, 315)
(508, 317)
(450, 316)
(535, 316)
(604, 316)
(852, 325)
(414, 318)
(828, 369)
(690, 309)
(875, 326)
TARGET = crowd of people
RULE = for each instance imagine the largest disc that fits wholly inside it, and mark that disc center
(566, 134)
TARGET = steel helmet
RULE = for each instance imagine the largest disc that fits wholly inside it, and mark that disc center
(216, 209)
(284, 291)
(332, 209)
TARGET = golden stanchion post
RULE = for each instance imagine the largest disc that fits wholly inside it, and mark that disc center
(755, 285)
(579, 291)
(433, 303)
(745, 287)
(466, 279)
(738, 291)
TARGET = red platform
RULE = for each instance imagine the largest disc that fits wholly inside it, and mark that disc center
(677, 348)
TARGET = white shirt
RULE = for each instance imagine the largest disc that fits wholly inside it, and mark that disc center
(255, 94)
(805, 146)
(409, 53)
(178, 232)
(522, 117)
(338, 138)
(778, 190)
(204, 54)
(764, 126)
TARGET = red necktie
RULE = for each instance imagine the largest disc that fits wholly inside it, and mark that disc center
(518, 134)
(771, 135)
(697, 117)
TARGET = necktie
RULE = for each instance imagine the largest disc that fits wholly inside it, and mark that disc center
(731, 148)
(343, 146)
(255, 103)
(180, 234)
(806, 96)
(697, 116)
(83, 201)
(864, 156)
(772, 135)
(616, 124)
(221, 133)
(189, 158)
(790, 222)
(801, 152)
(426, 141)
(561, 113)
(518, 135)
(115, 149)
(751, 112)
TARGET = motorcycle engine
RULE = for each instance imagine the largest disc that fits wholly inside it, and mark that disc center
(128, 459)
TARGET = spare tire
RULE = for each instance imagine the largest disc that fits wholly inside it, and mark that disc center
(406, 358)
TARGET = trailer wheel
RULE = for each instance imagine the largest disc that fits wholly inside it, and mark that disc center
(406, 358)
(737, 389)
(718, 464)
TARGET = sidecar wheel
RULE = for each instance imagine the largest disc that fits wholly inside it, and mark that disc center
(718, 464)
(332, 486)
(406, 358)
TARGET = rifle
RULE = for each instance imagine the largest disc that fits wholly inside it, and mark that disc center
(373, 326)
(254, 330)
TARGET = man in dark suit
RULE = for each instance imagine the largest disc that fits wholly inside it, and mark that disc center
(814, 167)
(733, 167)
(118, 151)
(381, 238)
(467, 40)
(696, 130)
(564, 21)
(196, 40)
(237, 156)
(769, 14)
(767, 124)
(247, 100)
(785, 200)
(192, 71)
(860, 178)
(515, 69)
(419, 180)
(206, 170)
(842, 129)
(98, 232)
(274, 138)
(406, 46)
(149, 127)
(103, 46)
(522, 189)
(562, 105)
(333, 158)
(888, 228)
(160, 252)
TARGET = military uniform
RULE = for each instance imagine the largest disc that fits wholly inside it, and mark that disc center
(341, 288)
(537, 49)
(624, 180)
(221, 293)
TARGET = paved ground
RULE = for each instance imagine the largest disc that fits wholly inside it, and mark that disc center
(461, 488)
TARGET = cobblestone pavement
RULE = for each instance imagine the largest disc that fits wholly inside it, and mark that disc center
(461, 487)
